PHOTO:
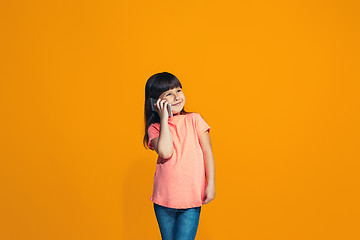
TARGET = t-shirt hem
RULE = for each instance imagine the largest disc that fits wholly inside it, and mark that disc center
(174, 206)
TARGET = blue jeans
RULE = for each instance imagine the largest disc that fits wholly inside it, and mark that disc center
(177, 224)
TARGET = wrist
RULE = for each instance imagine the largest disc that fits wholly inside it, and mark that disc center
(164, 120)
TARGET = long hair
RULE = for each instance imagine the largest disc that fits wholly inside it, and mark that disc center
(155, 86)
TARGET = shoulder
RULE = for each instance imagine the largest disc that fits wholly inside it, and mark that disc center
(155, 126)
(193, 115)
(197, 117)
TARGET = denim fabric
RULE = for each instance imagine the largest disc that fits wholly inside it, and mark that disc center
(177, 224)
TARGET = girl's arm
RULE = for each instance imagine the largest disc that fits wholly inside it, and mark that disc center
(209, 158)
(164, 146)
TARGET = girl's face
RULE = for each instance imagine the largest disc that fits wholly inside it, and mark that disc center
(176, 98)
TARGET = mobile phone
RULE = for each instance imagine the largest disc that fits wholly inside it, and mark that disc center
(154, 108)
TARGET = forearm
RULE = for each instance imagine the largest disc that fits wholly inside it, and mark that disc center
(165, 143)
(210, 168)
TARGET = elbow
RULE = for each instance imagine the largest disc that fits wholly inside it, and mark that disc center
(166, 155)
(165, 152)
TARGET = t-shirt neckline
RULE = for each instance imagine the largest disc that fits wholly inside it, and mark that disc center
(176, 117)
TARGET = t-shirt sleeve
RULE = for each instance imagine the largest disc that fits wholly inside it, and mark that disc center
(201, 125)
(153, 132)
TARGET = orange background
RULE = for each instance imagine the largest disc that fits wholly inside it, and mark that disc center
(277, 81)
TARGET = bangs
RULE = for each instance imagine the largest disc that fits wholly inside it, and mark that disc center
(163, 83)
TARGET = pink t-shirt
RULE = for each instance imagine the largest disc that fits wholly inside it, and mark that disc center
(180, 181)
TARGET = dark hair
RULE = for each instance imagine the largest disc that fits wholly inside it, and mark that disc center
(155, 86)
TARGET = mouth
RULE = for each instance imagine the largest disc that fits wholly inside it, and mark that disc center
(177, 104)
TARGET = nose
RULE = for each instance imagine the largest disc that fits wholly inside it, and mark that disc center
(176, 97)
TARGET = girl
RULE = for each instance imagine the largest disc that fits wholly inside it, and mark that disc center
(185, 171)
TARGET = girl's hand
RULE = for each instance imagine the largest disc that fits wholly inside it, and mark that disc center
(162, 108)
(209, 193)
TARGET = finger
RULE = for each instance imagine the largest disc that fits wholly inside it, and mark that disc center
(164, 104)
(161, 103)
(158, 103)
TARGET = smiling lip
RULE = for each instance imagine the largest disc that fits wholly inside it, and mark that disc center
(177, 104)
